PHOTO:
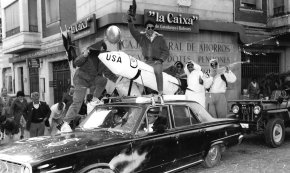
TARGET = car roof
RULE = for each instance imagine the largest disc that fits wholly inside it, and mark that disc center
(149, 99)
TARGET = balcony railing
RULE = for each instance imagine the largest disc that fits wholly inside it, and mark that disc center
(33, 28)
(13, 31)
(279, 11)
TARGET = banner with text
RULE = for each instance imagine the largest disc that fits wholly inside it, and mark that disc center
(172, 21)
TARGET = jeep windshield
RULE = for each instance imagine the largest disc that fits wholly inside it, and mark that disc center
(114, 118)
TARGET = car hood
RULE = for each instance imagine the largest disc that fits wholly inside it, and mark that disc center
(266, 104)
(253, 101)
(46, 147)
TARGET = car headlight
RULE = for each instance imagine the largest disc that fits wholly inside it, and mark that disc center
(235, 109)
(257, 109)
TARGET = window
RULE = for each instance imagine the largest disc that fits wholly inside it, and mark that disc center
(183, 116)
(12, 19)
(20, 79)
(156, 120)
(7, 82)
(34, 79)
(0, 30)
(252, 4)
(52, 11)
(32, 13)
(278, 7)
(193, 117)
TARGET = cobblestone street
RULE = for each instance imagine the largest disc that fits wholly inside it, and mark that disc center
(252, 156)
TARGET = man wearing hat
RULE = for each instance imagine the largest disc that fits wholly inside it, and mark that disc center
(17, 110)
(154, 48)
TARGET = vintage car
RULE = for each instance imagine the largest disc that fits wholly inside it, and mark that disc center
(269, 116)
(129, 134)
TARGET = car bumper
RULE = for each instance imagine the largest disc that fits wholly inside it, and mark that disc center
(240, 139)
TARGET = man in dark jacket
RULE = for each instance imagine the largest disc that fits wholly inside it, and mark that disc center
(92, 74)
(37, 114)
(154, 48)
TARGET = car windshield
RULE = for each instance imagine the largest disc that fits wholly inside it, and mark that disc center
(115, 118)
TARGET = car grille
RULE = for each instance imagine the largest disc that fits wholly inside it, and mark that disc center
(247, 113)
(10, 167)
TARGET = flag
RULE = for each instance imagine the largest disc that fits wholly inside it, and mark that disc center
(132, 9)
(69, 46)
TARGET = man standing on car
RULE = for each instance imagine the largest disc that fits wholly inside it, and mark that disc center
(92, 74)
(217, 102)
(154, 48)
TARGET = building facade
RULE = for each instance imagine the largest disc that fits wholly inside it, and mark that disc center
(230, 31)
(32, 39)
(194, 30)
(266, 24)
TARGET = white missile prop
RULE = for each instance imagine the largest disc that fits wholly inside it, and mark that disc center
(127, 66)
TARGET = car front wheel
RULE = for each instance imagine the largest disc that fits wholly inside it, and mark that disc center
(213, 156)
(275, 132)
(93, 169)
(100, 170)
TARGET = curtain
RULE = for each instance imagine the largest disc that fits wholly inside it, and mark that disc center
(12, 16)
(32, 13)
(52, 11)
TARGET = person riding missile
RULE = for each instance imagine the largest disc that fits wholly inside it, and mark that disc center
(153, 45)
(92, 74)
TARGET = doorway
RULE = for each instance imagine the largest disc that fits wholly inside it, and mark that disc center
(61, 77)
(34, 79)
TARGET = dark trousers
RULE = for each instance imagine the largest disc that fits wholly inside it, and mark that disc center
(36, 129)
(158, 68)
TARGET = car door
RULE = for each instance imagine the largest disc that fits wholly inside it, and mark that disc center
(159, 147)
(190, 135)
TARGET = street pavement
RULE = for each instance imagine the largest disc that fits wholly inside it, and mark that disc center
(252, 156)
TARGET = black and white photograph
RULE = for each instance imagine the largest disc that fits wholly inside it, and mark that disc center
(144, 86)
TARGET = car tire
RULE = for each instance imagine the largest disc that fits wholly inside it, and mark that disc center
(213, 156)
(275, 132)
(94, 169)
(100, 170)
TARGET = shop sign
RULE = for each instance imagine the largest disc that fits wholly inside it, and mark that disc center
(83, 27)
(185, 3)
(172, 21)
(33, 63)
(37, 53)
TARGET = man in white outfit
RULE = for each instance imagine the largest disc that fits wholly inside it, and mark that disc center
(196, 83)
(56, 116)
(217, 102)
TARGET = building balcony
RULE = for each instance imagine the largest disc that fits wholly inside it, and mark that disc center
(20, 42)
(279, 23)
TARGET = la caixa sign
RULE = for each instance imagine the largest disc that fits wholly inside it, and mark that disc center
(172, 21)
